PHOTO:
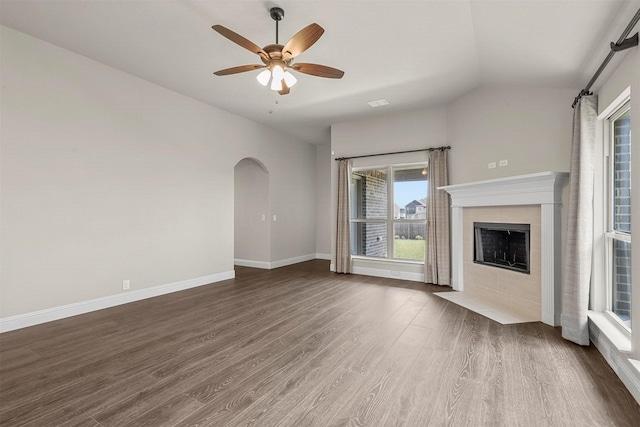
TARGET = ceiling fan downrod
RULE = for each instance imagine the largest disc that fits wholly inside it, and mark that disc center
(277, 14)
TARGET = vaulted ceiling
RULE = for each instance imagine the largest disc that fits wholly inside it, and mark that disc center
(415, 54)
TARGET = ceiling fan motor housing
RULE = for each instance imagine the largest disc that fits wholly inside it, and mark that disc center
(275, 55)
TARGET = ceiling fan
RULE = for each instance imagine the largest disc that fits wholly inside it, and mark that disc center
(278, 59)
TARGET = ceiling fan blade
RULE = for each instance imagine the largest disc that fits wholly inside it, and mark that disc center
(285, 89)
(318, 70)
(239, 40)
(302, 41)
(239, 69)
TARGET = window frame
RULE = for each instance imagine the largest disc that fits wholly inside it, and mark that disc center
(620, 107)
(389, 220)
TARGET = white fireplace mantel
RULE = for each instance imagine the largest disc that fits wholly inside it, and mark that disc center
(544, 189)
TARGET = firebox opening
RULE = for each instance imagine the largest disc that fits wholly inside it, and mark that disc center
(502, 245)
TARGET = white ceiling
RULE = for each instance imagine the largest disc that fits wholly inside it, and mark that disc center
(416, 54)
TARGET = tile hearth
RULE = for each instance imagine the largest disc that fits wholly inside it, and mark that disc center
(487, 308)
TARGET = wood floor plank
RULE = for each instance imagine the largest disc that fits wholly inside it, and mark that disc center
(249, 331)
(208, 388)
(291, 390)
(494, 408)
(464, 385)
(134, 330)
(143, 351)
(413, 404)
(228, 399)
(369, 402)
(89, 422)
(168, 413)
(321, 403)
(302, 346)
(225, 369)
(94, 400)
(264, 381)
(17, 357)
(607, 399)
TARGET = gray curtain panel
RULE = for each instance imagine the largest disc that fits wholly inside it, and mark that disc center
(437, 262)
(343, 238)
(577, 265)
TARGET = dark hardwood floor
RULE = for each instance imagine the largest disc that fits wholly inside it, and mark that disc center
(300, 346)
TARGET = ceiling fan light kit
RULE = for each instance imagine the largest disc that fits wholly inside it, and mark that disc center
(278, 59)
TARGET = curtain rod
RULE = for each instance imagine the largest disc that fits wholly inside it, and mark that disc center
(395, 152)
(623, 43)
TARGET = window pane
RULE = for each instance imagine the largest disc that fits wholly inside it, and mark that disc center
(408, 240)
(409, 193)
(369, 239)
(621, 289)
(369, 194)
(622, 173)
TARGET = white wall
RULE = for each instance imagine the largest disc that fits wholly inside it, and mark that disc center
(252, 240)
(108, 177)
(531, 128)
(323, 197)
(293, 200)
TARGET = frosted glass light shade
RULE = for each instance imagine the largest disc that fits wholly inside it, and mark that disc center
(263, 77)
(289, 79)
(276, 84)
(277, 72)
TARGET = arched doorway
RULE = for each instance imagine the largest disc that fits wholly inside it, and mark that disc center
(252, 225)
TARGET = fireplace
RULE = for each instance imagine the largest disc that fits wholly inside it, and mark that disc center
(502, 245)
(500, 200)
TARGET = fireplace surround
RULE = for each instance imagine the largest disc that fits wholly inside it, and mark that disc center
(543, 191)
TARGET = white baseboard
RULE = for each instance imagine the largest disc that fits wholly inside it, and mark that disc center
(627, 369)
(254, 264)
(290, 261)
(56, 313)
(274, 264)
(323, 256)
(389, 274)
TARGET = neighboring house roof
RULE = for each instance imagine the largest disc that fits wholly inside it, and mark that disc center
(421, 202)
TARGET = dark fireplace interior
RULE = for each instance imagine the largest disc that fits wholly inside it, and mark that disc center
(502, 245)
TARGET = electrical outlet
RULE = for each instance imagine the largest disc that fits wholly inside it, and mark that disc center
(264, 217)
(395, 273)
(504, 162)
(492, 165)
(126, 284)
(275, 218)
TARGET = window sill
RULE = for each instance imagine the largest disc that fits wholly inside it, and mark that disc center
(390, 260)
(621, 341)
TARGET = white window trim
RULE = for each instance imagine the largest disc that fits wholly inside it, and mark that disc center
(600, 298)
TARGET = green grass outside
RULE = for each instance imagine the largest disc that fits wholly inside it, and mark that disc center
(409, 249)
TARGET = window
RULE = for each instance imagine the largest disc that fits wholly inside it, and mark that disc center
(388, 204)
(618, 216)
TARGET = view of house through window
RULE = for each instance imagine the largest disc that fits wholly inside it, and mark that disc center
(619, 221)
(389, 205)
